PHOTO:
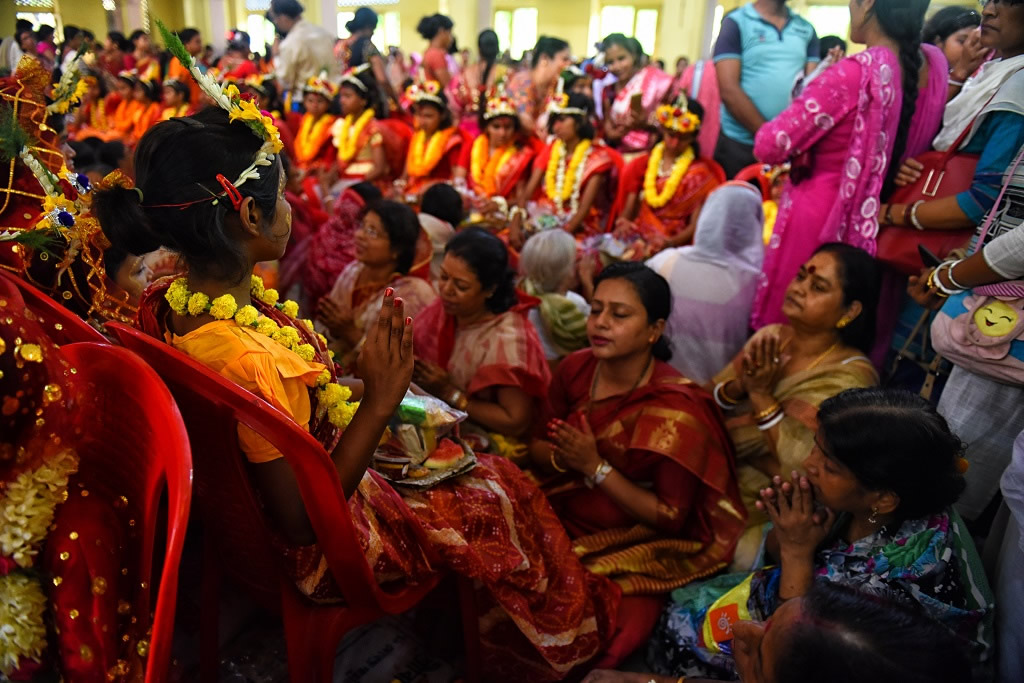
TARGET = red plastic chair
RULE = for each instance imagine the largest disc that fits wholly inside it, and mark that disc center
(237, 531)
(754, 174)
(63, 326)
(134, 443)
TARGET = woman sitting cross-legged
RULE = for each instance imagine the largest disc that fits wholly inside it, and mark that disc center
(772, 389)
(874, 513)
(214, 197)
(475, 346)
(649, 492)
(385, 245)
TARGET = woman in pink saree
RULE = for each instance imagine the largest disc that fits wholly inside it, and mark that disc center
(841, 134)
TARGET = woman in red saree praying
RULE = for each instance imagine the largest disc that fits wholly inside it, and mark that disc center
(645, 478)
(541, 613)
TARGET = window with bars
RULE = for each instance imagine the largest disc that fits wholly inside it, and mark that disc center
(516, 29)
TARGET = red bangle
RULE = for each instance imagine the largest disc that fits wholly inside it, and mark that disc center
(907, 208)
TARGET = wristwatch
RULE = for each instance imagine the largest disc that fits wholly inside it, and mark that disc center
(599, 475)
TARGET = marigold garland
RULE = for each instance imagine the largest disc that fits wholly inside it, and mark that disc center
(656, 199)
(347, 134)
(424, 157)
(333, 397)
(484, 166)
(312, 135)
(562, 183)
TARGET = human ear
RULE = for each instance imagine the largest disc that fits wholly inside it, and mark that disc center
(251, 217)
(657, 329)
(886, 502)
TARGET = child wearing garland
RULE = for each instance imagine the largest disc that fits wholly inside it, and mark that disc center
(504, 536)
(494, 168)
(313, 147)
(665, 189)
(437, 143)
(176, 96)
(569, 185)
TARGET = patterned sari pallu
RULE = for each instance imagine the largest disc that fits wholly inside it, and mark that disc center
(539, 610)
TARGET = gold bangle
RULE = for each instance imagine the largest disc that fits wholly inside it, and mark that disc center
(767, 412)
(554, 464)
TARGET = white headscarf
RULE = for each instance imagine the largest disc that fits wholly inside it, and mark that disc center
(982, 94)
(714, 281)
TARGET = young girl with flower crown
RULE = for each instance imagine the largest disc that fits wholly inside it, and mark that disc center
(494, 168)
(664, 190)
(214, 193)
(313, 145)
(436, 145)
(569, 185)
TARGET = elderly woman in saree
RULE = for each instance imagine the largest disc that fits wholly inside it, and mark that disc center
(713, 281)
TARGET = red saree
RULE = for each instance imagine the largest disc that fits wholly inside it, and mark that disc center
(672, 218)
(602, 160)
(541, 614)
(668, 434)
(502, 351)
(506, 177)
(332, 247)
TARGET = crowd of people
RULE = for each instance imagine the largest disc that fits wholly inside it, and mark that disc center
(672, 311)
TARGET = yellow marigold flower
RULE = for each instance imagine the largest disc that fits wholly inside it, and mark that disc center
(322, 338)
(197, 303)
(333, 393)
(306, 352)
(177, 295)
(308, 323)
(232, 92)
(341, 414)
(290, 309)
(331, 354)
(270, 296)
(246, 316)
(265, 325)
(287, 337)
(323, 378)
(256, 287)
(223, 307)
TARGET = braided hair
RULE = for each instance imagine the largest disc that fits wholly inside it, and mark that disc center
(902, 21)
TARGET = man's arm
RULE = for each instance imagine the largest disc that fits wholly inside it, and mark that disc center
(728, 67)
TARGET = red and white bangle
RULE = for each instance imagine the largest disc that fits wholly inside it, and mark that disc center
(599, 475)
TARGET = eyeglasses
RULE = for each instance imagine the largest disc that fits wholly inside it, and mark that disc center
(372, 233)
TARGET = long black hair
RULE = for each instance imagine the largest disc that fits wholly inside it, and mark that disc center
(177, 162)
(847, 636)
(654, 292)
(893, 440)
(487, 44)
(487, 256)
(547, 46)
(902, 21)
(861, 281)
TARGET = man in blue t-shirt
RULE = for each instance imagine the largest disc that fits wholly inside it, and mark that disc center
(761, 49)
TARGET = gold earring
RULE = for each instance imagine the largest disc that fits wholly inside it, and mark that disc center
(842, 323)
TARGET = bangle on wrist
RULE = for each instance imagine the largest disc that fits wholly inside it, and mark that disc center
(913, 215)
(767, 413)
(554, 464)
(767, 424)
(949, 274)
(457, 400)
(724, 401)
(887, 216)
(933, 286)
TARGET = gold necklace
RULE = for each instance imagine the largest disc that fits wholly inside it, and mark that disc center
(822, 356)
(597, 370)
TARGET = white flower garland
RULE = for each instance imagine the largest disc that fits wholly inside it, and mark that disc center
(22, 621)
(28, 503)
(574, 199)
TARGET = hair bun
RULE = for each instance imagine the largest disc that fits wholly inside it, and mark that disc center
(122, 219)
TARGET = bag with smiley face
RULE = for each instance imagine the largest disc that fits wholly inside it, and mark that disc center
(983, 334)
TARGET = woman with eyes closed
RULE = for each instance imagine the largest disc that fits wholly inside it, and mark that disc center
(771, 390)
(873, 513)
(642, 470)
(475, 346)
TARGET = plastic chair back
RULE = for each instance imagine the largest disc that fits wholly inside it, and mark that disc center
(212, 406)
(62, 326)
(134, 442)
